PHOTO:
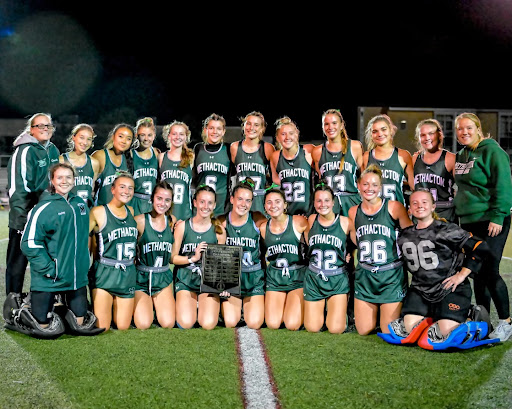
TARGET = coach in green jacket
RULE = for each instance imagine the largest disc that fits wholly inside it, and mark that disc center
(482, 202)
(27, 179)
(55, 242)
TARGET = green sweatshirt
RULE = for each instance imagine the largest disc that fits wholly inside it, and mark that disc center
(27, 175)
(484, 183)
(55, 242)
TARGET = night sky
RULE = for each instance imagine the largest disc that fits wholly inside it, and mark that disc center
(186, 60)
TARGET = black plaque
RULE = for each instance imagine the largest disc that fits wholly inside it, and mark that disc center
(221, 269)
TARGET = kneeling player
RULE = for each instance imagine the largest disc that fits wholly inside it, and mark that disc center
(438, 302)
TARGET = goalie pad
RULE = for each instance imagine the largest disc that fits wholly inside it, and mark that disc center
(398, 336)
(88, 326)
(12, 302)
(25, 323)
(467, 335)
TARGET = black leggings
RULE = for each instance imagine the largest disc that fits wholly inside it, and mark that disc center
(16, 263)
(42, 303)
(488, 283)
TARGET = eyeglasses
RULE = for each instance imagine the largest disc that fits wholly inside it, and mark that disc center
(42, 127)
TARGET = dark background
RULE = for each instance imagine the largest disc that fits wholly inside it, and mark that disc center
(113, 62)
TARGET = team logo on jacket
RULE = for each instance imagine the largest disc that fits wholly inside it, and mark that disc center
(41, 163)
(81, 206)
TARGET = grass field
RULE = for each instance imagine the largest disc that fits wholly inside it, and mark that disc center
(161, 368)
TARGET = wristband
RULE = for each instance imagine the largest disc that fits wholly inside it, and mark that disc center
(190, 260)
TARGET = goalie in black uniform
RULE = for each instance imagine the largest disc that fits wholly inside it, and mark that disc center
(440, 256)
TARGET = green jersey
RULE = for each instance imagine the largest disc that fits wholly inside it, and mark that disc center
(296, 176)
(212, 168)
(154, 246)
(106, 177)
(117, 240)
(84, 179)
(283, 250)
(257, 167)
(145, 175)
(248, 237)
(393, 176)
(326, 246)
(180, 179)
(344, 183)
(376, 236)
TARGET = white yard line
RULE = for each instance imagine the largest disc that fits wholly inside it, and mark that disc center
(256, 378)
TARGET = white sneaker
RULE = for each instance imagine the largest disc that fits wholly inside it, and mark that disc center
(503, 331)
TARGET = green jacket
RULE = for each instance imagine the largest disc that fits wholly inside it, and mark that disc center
(55, 242)
(27, 176)
(484, 183)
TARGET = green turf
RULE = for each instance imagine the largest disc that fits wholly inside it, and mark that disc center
(161, 368)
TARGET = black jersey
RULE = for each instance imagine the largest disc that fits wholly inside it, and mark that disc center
(432, 255)
(439, 181)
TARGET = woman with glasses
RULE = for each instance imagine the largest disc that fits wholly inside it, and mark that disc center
(86, 167)
(112, 159)
(27, 178)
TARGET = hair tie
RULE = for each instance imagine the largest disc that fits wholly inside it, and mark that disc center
(272, 186)
(247, 182)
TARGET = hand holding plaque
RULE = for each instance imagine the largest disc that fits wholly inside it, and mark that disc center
(221, 267)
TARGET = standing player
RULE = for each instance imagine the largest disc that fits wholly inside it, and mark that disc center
(86, 167)
(114, 275)
(440, 256)
(380, 281)
(434, 167)
(27, 176)
(154, 276)
(212, 164)
(282, 235)
(326, 280)
(191, 238)
(176, 167)
(338, 161)
(112, 159)
(251, 157)
(291, 167)
(395, 163)
(243, 229)
(143, 165)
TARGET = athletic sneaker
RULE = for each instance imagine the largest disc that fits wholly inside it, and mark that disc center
(503, 331)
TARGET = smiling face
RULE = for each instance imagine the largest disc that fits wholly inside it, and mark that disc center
(177, 136)
(430, 137)
(369, 186)
(162, 200)
(122, 189)
(242, 201)
(146, 136)
(275, 204)
(204, 202)
(214, 132)
(421, 205)
(122, 140)
(381, 133)
(45, 134)
(82, 140)
(468, 133)
(324, 202)
(63, 180)
(332, 126)
(253, 127)
(288, 136)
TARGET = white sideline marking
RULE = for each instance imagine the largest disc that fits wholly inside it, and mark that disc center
(255, 378)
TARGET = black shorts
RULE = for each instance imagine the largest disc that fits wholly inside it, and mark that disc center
(455, 306)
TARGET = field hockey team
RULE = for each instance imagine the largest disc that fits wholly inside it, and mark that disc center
(328, 232)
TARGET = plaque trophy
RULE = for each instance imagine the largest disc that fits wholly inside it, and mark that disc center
(221, 267)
